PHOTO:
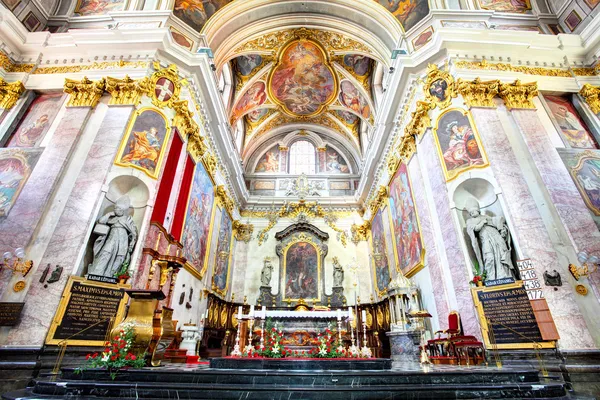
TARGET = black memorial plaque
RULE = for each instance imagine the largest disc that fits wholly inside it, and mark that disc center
(509, 311)
(10, 313)
(89, 304)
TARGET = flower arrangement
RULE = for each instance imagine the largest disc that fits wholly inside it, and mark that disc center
(479, 275)
(327, 347)
(273, 344)
(116, 354)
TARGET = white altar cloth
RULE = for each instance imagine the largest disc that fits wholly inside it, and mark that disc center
(300, 314)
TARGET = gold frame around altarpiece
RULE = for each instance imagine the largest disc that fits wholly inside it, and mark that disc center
(125, 139)
(484, 325)
(189, 267)
(301, 238)
(454, 174)
(62, 307)
(370, 238)
(229, 257)
(583, 157)
(421, 264)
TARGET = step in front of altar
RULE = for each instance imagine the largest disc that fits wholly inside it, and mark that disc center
(301, 364)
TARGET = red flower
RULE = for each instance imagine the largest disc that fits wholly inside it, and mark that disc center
(95, 355)
(133, 357)
(113, 358)
(106, 350)
(122, 345)
(87, 357)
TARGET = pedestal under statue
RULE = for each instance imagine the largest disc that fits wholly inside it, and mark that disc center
(404, 345)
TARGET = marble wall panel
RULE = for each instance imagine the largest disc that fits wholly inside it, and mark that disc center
(530, 231)
(73, 224)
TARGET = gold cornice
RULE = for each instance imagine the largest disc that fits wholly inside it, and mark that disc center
(223, 196)
(379, 199)
(360, 232)
(10, 93)
(84, 93)
(585, 71)
(420, 120)
(479, 93)
(243, 232)
(183, 120)
(484, 65)
(91, 67)
(9, 66)
(518, 95)
(591, 94)
(126, 91)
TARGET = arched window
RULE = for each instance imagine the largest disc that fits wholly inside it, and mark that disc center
(302, 158)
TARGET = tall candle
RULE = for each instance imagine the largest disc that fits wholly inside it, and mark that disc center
(239, 312)
(202, 317)
(264, 312)
(339, 314)
(350, 316)
(252, 311)
(364, 315)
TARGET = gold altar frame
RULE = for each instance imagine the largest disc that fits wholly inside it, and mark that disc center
(421, 264)
(485, 327)
(583, 157)
(127, 134)
(188, 266)
(370, 235)
(450, 175)
(301, 238)
(223, 292)
(62, 307)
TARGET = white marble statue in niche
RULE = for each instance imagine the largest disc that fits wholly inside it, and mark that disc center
(338, 273)
(267, 271)
(490, 239)
(118, 235)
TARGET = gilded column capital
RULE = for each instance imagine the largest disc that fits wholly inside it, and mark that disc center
(126, 91)
(479, 93)
(10, 93)
(321, 149)
(243, 232)
(283, 148)
(419, 119)
(360, 232)
(591, 94)
(183, 119)
(518, 95)
(84, 93)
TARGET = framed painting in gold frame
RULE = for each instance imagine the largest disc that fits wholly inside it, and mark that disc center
(223, 255)
(458, 143)
(586, 177)
(143, 145)
(408, 247)
(198, 221)
(379, 259)
(302, 263)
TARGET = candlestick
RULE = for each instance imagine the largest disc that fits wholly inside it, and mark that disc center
(264, 313)
(236, 349)
(262, 332)
(249, 348)
(365, 351)
(339, 324)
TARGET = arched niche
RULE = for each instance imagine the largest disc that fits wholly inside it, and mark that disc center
(122, 185)
(478, 187)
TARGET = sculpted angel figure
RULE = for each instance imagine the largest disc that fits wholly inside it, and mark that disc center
(490, 239)
(115, 244)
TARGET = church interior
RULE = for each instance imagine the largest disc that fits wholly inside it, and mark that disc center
(273, 199)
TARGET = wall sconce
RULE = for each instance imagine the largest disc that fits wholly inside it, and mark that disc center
(589, 263)
(16, 263)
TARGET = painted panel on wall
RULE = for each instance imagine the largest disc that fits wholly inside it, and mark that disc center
(143, 143)
(406, 230)
(96, 7)
(584, 167)
(334, 162)
(408, 12)
(198, 220)
(269, 162)
(37, 120)
(252, 98)
(573, 129)
(301, 272)
(16, 166)
(381, 268)
(195, 13)
(223, 254)
(513, 6)
(352, 98)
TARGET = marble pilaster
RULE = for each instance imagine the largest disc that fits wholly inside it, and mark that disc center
(71, 230)
(530, 232)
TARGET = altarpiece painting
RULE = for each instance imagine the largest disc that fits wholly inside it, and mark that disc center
(39, 116)
(572, 128)
(223, 254)
(380, 262)
(16, 166)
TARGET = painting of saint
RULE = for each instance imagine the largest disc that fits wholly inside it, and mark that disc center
(143, 143)
(347, 117)
(335, 163)
(302, 82)
(301, 272)
(256, 115)
(16, 166)
(572, 127)
(405, 225)
(37, 120)
(408, 12)
(223, 254)
(254, 97)
(351, 97)
(245, 64)
(96, 7)
(196, 232)
(381, 267)
(195, 13)
(358, 63)
(511, 6)
(458, 143)
(269, 162)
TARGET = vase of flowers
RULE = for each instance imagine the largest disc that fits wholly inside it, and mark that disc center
(479, 275)
(122, 273)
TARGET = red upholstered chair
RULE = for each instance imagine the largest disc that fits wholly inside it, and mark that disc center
(454, 326)
(455, 348)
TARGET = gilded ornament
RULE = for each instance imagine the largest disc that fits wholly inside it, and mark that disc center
(360, 232)
(84, 93)
(183, 119)
(20, 285)
(479, 93)
(9, 66)
(196, 145)
(65, 69)
(126, 91)
(243, 232)
(420, 120)
(407, 147)
(484, 65)
(581, 289)
(587, 71)
(392, 164)
(10, 93)
(518, 95)
(210, 161)
(439, 87)
(223, 196)
(164, 85)
(591, 94)
(379, 199)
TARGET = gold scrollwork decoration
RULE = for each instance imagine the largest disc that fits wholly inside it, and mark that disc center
(126, 91)
(392, 163)
(420, 120)
(183, 120)
(243, 232)
(84, 93)
(10, 93)
(591, 94)
(518, 95)
(436, 78)
(225, 199)
(479, 93)
(65, 69)
(484, 65)
(360, 232)
(9, 66)
(210, 162)
(379, 199)
(406, 148)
